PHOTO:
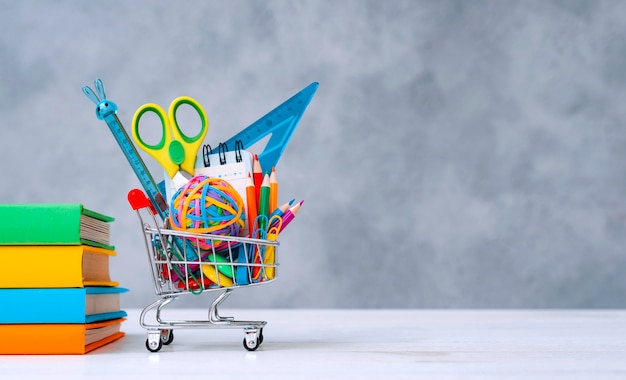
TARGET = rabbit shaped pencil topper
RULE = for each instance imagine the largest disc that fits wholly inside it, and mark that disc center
(104, 107)
(107, 110)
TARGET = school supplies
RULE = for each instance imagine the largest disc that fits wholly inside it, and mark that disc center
(175, 151)
(53, 224)
(107, 110)
(55, 281)
(216, 277)
(273, 190)
(19, 339)
(281, 210)
(281, 122)
(261, 230)
(208, 205)
(231, 266)
(268, 260)
(264, 197)
(232, 166)
(251, 209)
(180, 263)
(61, 305)
(258, 177)
(290, 215)
(54, 266)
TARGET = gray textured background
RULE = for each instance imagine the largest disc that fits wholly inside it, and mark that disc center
(456, 154)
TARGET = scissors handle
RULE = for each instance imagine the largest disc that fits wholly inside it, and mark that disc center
(191, 144)
(166, 151)
(175, 150)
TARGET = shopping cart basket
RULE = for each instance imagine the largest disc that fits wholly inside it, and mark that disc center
(189, 263)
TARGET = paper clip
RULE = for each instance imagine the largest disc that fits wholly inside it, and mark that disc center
(264, 254)
(272, 235)
(260, 232)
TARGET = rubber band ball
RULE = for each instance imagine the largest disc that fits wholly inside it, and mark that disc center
(208, 205)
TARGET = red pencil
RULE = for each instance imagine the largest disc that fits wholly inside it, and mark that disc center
(257, 173)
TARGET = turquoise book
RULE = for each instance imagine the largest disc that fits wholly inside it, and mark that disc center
(60, 305)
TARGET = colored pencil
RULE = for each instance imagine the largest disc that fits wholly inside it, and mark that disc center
(279, 211)
(264, 197)
(257, 175)
(290, 215)
(252, 207)
(273, 190)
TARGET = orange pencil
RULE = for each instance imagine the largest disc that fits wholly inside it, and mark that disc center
(273, 190)
(257, 174)
(252, 207)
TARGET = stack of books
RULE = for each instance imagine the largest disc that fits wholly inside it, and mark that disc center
(56, 294)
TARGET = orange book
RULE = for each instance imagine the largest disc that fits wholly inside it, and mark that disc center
(20, 339)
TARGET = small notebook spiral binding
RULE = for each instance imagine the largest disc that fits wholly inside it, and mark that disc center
(207, 151)
(238, 148)
(222, 150)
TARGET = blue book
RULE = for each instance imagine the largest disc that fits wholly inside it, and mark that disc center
(60, 305)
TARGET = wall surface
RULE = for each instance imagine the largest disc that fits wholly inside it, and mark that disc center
(467, 154)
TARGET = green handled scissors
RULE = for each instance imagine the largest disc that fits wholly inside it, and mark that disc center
(176, 150)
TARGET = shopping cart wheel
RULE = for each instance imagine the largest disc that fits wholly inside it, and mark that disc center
(154, 345)
(252, 341)
(167, 336)
(260, 336)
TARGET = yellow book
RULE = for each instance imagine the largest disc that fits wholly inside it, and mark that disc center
(54, 266)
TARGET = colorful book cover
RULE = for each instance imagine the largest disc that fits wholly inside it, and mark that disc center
(21, 339)
(60, 305)
(53, 224)
(54, 266)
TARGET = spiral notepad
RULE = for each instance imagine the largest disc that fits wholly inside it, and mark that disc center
(229, 166)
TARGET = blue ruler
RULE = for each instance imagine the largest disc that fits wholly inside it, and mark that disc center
(281, 122)
(107, 110)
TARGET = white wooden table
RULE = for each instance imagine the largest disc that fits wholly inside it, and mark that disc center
(360, 344)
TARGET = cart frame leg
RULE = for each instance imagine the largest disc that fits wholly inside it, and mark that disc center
(214, 315)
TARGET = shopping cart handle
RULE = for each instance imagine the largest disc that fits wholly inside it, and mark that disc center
(138, 199)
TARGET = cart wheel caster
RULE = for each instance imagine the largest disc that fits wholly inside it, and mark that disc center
(260, 338)
(167, 336)
(154, 346)
(251, 341)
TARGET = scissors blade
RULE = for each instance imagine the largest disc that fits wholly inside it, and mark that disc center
(281, 122)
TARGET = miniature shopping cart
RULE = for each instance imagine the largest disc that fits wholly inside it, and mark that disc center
(190, 263)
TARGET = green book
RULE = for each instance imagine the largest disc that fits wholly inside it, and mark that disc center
(53, 224)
